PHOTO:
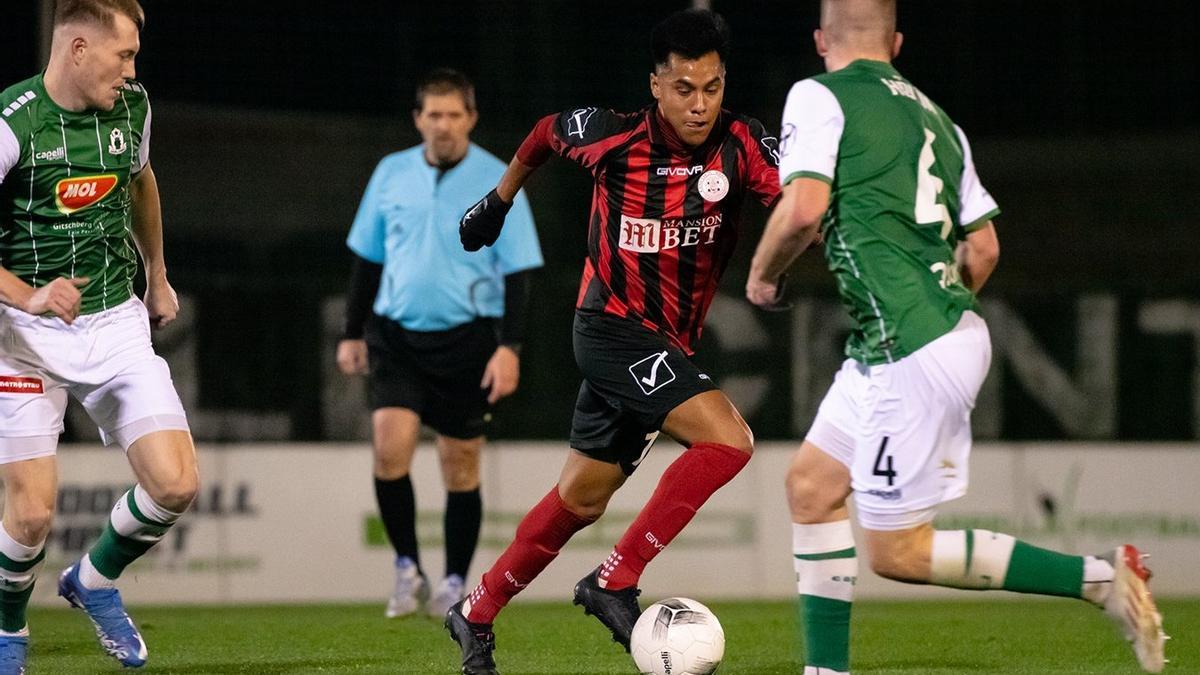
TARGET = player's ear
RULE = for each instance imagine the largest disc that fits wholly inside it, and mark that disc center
(655, 90)
(416, 116)
(79, 47)
(819, 41)
(472, 119)
(897, 40)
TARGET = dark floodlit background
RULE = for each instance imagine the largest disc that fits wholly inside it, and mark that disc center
(269, 117)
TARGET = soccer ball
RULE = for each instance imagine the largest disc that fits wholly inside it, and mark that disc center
(677, 636)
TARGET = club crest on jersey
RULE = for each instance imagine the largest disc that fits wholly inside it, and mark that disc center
(73, 194)
(713, 186)
(579, 121)
(116, 142)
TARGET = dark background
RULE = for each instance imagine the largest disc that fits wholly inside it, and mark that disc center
(269, 117)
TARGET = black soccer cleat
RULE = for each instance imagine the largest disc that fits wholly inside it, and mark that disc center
(476, 641)
(617, 610)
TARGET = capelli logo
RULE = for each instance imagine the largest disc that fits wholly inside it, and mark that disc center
(52, 155)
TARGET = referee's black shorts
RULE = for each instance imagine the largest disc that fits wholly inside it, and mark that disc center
(632, 378)
(435, 374)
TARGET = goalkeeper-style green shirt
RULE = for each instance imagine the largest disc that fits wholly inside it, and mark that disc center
(904, 192)
(64, 190)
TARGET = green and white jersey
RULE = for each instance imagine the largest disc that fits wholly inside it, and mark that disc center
(64, 190)
(904, 193)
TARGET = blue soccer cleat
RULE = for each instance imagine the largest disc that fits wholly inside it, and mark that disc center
(12, 654)
(118, 636)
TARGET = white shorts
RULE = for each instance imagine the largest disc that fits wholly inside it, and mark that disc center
(105, 360)
(904, 428)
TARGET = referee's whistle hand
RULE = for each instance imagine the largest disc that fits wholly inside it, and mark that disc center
(501, 375)
(352, 357)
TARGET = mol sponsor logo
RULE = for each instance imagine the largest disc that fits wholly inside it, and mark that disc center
(651, 235)
(74, 194)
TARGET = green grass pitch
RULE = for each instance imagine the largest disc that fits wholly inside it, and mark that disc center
(909, 638)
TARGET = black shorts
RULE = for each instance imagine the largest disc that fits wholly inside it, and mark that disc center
(435, 374)
(632, 378)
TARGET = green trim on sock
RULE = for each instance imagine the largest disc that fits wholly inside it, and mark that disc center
(846, 553)
(970, 553)
(141, 517)
(825, 626)
(112, 553)
(11, 565)
(12, 609)
(1044, 572)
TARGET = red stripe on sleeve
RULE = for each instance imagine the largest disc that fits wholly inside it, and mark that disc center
(539, 144)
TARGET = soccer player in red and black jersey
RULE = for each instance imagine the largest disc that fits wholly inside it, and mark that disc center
(670, 181)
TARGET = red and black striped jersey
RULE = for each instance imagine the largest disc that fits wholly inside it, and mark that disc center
(664, 217)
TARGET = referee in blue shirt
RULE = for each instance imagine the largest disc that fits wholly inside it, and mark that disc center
(437, 329)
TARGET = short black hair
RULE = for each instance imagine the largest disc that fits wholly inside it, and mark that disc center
(445, 81)
(690, 33)
(101, 12)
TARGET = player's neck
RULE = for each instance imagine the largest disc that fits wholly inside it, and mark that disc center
(59, 88)
(836, 60)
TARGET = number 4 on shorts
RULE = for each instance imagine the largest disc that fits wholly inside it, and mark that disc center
(878, 470)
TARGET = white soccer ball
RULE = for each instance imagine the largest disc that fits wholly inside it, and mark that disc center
(677, 636)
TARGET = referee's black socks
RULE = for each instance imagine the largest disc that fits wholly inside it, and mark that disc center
(398, 509)
(464, 513)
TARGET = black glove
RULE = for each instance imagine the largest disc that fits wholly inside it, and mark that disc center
(480, 225)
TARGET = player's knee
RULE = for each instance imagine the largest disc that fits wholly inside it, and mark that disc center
(809, 500)
(586, 507)
(176, 494)
(30, 523)
(740, 437)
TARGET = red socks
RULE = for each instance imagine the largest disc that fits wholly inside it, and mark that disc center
(683, 488)
(542, 533)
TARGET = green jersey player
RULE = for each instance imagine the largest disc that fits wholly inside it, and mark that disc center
(77, 194)
(888, 178)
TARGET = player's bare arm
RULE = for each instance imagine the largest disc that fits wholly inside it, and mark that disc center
(161, 301)
(977, 256)
(513, 179)
(791, 228)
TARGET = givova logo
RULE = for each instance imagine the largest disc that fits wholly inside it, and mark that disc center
(74, 194)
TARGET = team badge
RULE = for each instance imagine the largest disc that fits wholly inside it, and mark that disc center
(713, 186)
(652, 373)
(116, 142)
(73, 194)
(577, 125)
